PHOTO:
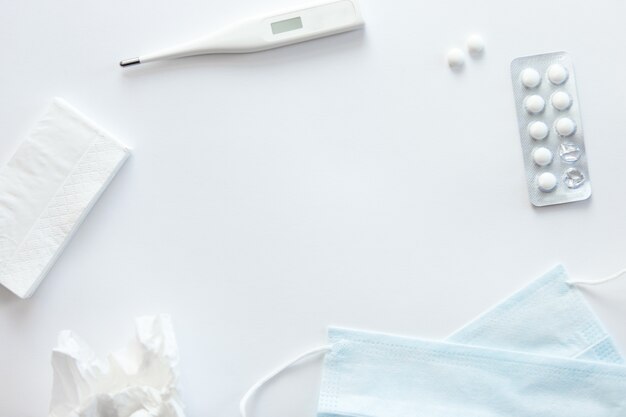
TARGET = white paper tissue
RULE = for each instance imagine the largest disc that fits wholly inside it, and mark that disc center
(139, 381)
(47, 189)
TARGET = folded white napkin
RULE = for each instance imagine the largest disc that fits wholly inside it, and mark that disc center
(47, 189)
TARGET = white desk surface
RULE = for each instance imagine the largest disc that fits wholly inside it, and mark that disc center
(353, 180)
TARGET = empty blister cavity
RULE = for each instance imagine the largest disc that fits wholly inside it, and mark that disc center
(550, 129)
(534, 104)
(542, 156)
(573, 178)
(546, 182)
(538, 130)
(557, 74)
(565, 126)
(531, 78)
(561, 100)
(569, 152)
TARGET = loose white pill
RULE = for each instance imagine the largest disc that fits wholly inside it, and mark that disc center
(531, 78)
(475, 45)
(546, 182)
(456, 58)
(557, 74)
(534, 104)
(538, 130)
(542, 156)
(561, 100)
(565, 126)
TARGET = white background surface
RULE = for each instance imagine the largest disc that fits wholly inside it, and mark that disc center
(353, 180)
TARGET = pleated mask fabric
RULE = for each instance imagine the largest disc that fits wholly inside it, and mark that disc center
(541, 352)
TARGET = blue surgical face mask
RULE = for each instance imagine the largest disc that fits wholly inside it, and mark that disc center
(547, 317)
(541, 352)
(376, 375)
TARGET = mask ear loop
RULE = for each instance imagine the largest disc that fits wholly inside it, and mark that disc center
(243, 404)
(613, 277)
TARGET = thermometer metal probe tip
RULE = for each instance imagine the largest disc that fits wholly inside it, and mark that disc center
(131, 61)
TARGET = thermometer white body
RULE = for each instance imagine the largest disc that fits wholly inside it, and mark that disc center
(269, 31)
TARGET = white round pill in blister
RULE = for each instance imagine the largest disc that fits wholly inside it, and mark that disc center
(565, 126)
(546, 182)
(557, 74)
(561, 100)
(534, 104)
(531, 78)
(538, 130)
(475, 44)
(456, 58)
(542, 156)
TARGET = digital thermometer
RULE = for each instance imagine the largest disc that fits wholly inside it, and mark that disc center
(269, 31)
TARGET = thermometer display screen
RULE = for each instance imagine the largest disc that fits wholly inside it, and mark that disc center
(286, 25)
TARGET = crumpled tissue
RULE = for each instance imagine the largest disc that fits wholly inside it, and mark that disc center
(138, 381)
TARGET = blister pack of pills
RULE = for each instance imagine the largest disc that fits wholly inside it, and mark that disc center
(550, 128)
